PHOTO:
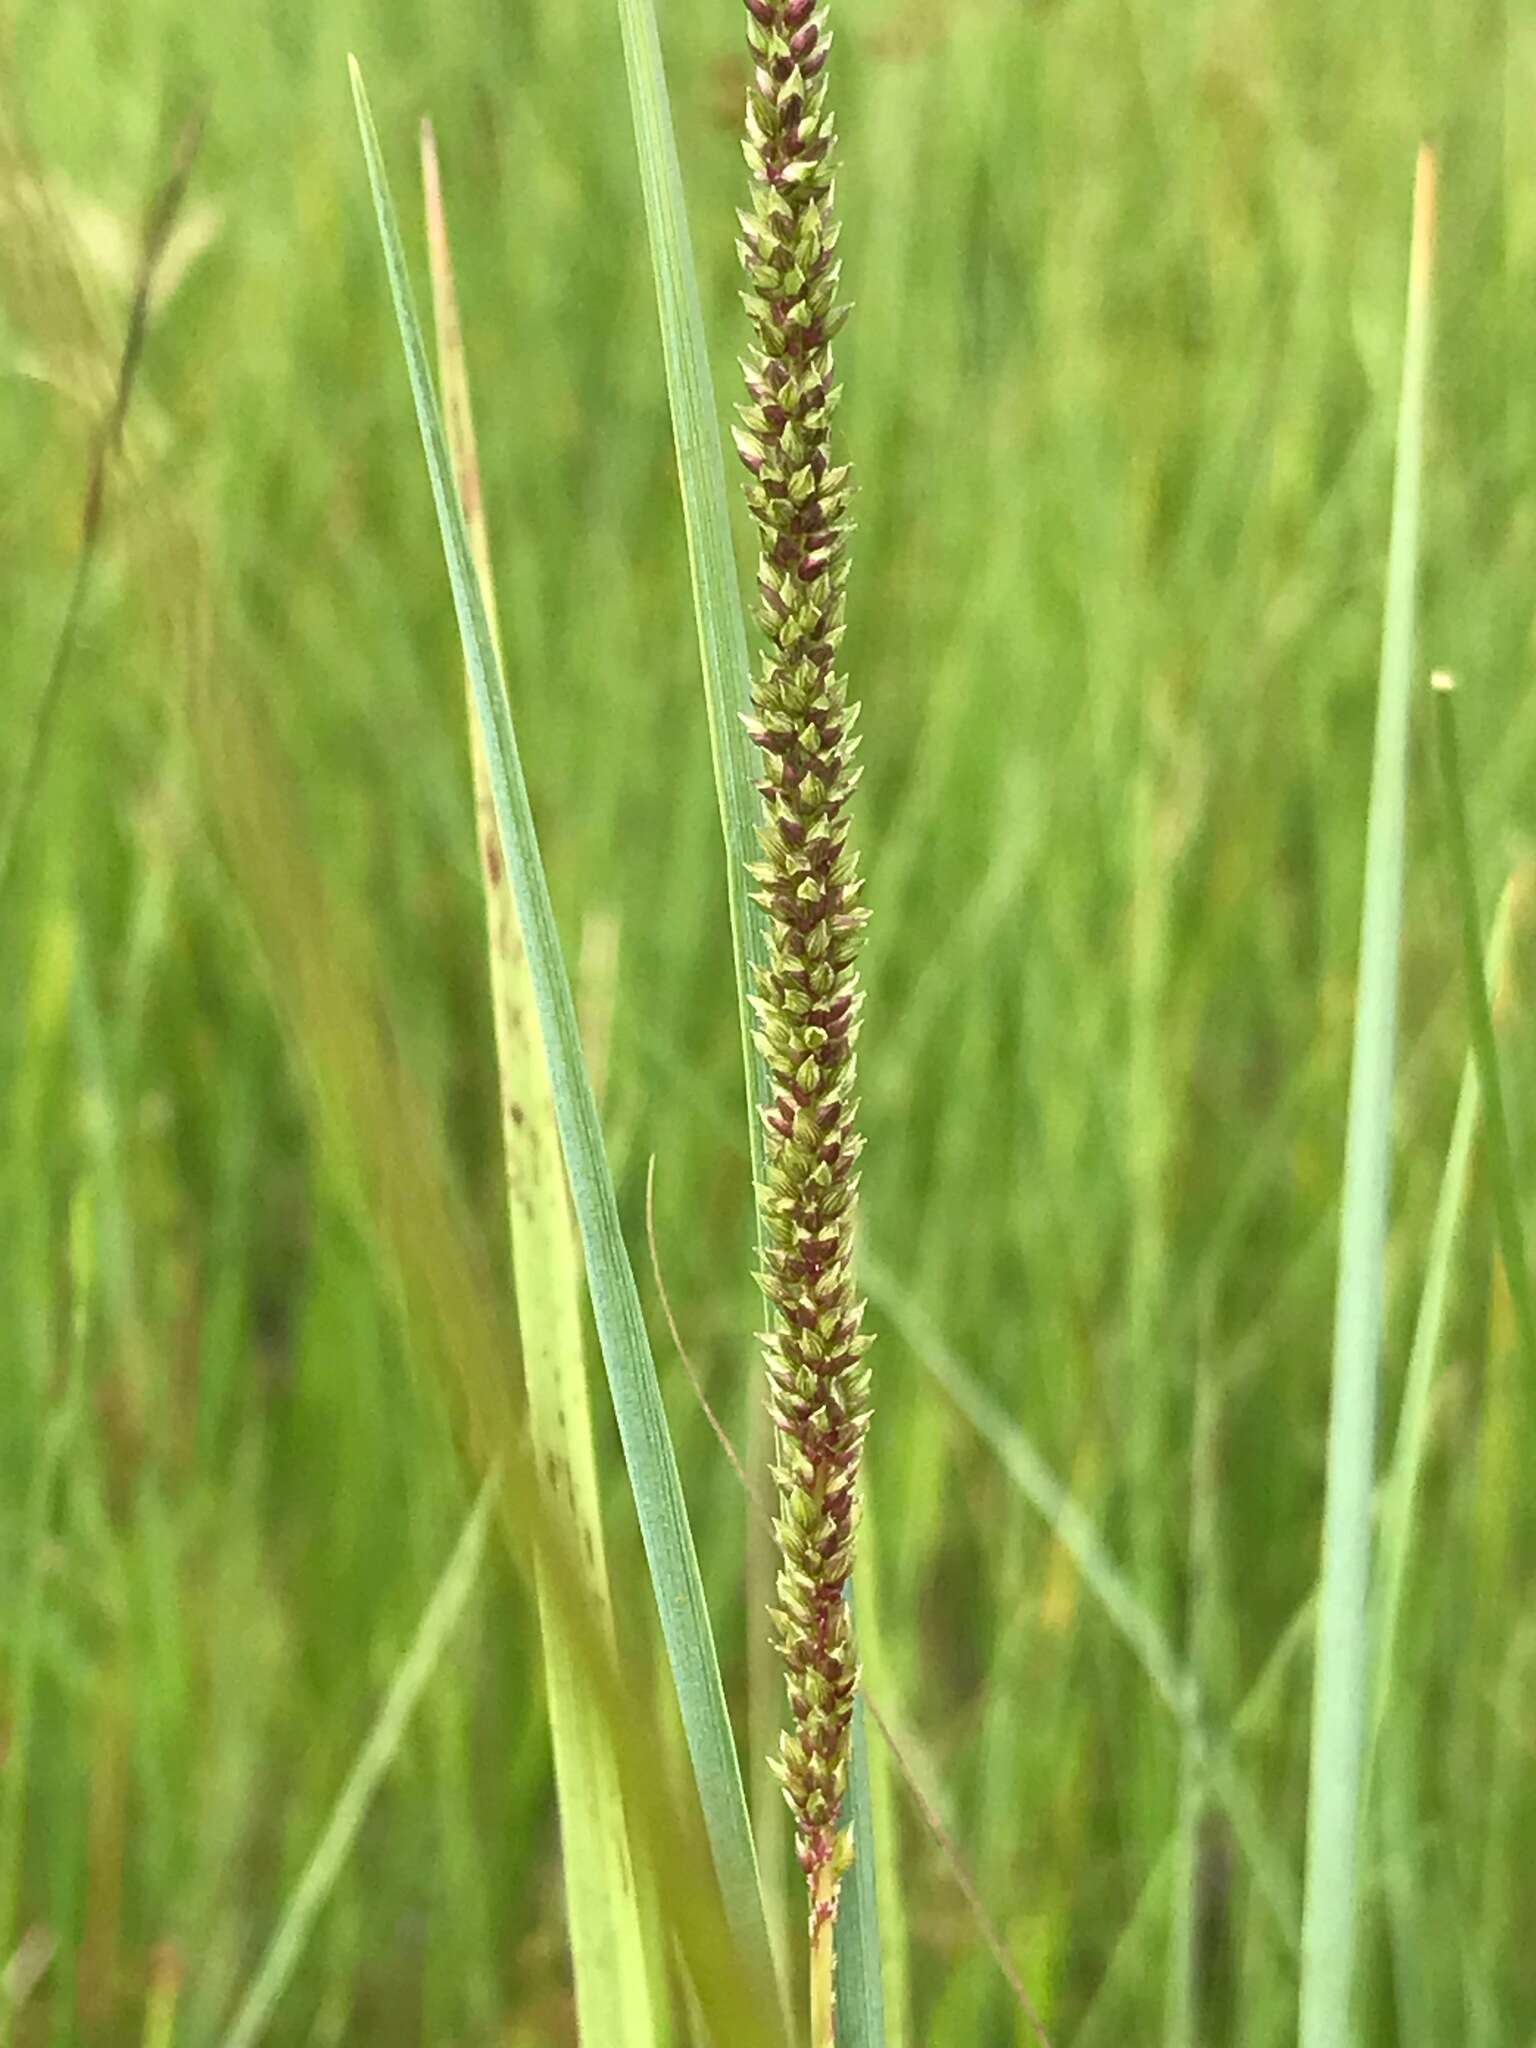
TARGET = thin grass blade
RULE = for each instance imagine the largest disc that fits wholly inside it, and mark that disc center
(1342, 1673)
(30, 1596)
(706, 511)
(621, 1328)
(1485, 1050)
(881, 1763)
(726, 673)
(860, 1980)
(1400, 1491)
(441, 1616)
(1137, 1627)
(608, 1965)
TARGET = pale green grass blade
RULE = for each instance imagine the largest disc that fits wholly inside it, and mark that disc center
(1134, 1954)
(1501, 1153)
(1203, 1631)
(726, 671)
(1342, 1672)
(727, 691)
(765, 1701)
(880, 1765)
(706, 513)
(1045, 1493)
(1395, 1803)
(1502, 1905)
(608, 1965)
(1170, 1678)
(440, 1618)
(1132, 1961)
(860, 1978)
(615, 1301)
(65, 1418)
(1400, 1491)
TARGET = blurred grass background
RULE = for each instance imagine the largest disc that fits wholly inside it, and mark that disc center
(1120, 390)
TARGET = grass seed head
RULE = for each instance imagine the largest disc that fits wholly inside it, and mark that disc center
(807, 998)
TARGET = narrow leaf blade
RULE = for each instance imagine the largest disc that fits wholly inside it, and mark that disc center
(615, 1300)
(1400, 1490)
(1342, 1673)
(441, 1616)
(608, 1966)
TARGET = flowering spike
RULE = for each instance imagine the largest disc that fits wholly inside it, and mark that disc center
(808, 1002)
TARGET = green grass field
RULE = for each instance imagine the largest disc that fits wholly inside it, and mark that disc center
(1121, 391)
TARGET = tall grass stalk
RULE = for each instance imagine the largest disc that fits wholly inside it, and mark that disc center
(613, 2002)
(1342, 1675)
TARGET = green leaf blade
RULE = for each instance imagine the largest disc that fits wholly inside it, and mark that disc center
(615, 1300)
(861, 1987)
(1400, 1489)
(723, 654)
(1339, 1709)
(608, 1960)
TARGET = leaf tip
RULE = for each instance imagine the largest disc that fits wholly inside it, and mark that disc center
(431, 178)
(1425, 181)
